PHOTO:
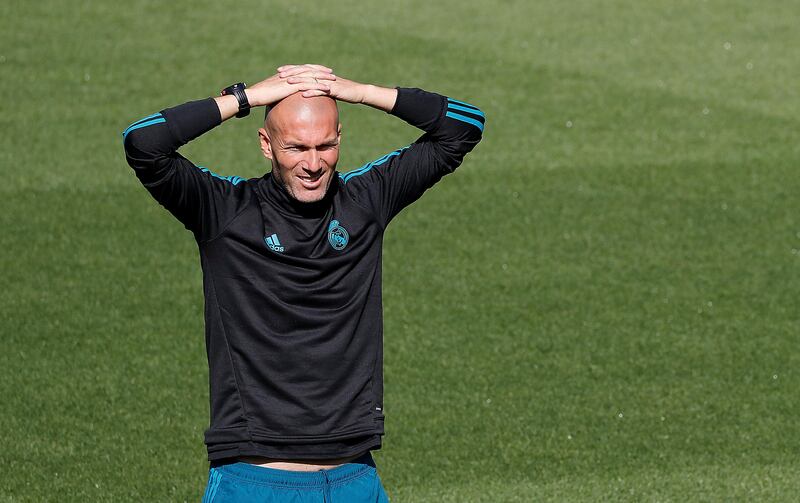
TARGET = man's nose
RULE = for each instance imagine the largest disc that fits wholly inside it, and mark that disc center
(313, 160)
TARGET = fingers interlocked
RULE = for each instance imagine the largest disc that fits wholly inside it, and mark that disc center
(310, 78)
(290, 70)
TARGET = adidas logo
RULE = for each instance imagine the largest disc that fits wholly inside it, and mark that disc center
(273, 243)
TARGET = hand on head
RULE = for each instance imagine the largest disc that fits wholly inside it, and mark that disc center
(310, 80)
(308, 74)
(337, 88)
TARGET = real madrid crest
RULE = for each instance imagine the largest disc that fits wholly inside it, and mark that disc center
(337, 235)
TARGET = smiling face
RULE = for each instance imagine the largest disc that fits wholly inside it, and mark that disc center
(301, 138)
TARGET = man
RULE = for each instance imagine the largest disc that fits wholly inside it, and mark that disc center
(292, 275)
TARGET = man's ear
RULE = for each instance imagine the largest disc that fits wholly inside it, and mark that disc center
(266, 145)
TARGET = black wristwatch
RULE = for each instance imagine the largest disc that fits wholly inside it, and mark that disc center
(238, 91)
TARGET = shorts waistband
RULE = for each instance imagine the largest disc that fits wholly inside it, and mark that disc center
(288, 478)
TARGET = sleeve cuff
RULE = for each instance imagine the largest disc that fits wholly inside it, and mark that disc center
(419, 108)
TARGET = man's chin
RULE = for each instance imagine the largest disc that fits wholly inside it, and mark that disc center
(304, 195)
(309, 197)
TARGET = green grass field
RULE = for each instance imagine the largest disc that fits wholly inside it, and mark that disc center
(601, 305)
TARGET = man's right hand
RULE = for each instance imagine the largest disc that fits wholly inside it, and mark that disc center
(311, 80)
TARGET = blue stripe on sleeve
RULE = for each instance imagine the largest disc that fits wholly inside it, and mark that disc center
(466, 119)
(152, 116)
(142, 120)
(141, 125)
(363, 169)
(451, 100)
(473, 111)
(233, 179)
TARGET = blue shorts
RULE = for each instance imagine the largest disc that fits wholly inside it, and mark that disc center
(354, 482)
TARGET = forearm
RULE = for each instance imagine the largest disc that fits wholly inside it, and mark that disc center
(382, 98)
(229, 106)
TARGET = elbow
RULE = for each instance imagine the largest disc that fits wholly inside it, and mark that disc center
(469, 119)
(141, 141)
(136, 151)
(150, 120)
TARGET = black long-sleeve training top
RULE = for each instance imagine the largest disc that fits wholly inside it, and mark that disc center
(293, 314)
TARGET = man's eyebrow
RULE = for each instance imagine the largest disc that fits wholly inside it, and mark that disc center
(292, 144)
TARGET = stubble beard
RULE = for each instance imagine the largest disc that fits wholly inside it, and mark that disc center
(287, 187)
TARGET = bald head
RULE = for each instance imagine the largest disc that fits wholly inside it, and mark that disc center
(296, 111)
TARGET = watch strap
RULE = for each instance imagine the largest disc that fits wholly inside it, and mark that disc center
(237, 90)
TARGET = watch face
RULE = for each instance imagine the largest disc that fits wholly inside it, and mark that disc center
(233, 88)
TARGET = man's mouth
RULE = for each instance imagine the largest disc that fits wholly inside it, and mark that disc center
(311, 182)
